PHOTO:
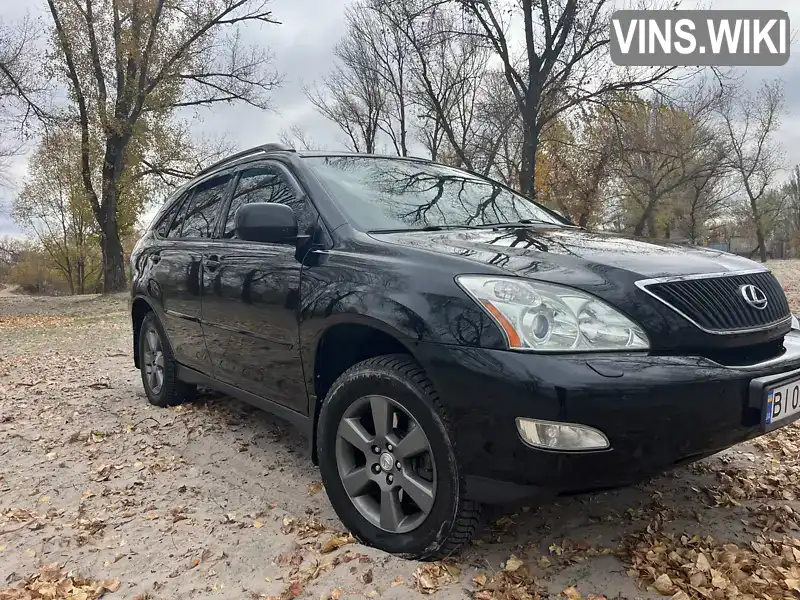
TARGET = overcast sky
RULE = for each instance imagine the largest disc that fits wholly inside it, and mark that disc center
(302, 48)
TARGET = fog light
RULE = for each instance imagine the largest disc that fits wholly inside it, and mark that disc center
(560, 436)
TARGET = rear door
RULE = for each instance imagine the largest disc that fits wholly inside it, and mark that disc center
(250, 304)
(178, 270)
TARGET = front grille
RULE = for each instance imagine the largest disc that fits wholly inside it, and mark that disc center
(716, 303)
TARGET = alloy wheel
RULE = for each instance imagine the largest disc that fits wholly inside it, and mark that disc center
(386, 464)
(153, 361)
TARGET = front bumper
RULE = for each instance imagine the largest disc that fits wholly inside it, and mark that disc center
(657, 412)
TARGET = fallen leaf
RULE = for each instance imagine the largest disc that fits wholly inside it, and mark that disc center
(512, 564)
(258, 524)
(337, 542)
(663, 584)
(718, 580)
(572, 593)
(397, 581)
(544, 562)
(112, 585)
(295, 589)
(702, 563)
(480, 580)
(314, 488)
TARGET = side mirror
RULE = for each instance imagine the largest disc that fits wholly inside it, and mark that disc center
(266, 222)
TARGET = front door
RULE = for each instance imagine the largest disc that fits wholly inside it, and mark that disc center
(251, 293)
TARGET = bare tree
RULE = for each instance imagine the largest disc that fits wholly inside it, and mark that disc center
(705, 201)
(447, 68)
(750, 121)
(792, 206)
(129, 65)
(10, 251)
(354, 94)
(664, 146)
(564, 63)
(53, 208)
(390, 51)
(21, 88)
(297, 137)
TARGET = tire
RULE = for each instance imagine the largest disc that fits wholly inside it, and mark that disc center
(171, 391)
(450, 519)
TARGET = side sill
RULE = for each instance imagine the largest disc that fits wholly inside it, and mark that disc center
(301, 421)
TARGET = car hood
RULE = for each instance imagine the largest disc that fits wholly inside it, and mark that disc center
(565, 253)
(605, 265)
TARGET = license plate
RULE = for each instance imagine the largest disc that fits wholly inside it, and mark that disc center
(782, 401)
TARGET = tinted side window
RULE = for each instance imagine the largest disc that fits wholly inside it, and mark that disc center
(162, 229)
(266, 184)
(205, 205)
(182, 206)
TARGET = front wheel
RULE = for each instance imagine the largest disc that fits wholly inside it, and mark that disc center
(387, 461)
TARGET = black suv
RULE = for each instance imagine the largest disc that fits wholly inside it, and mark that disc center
(445, 342)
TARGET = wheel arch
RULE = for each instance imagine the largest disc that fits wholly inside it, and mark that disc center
(140, 307)
(347, 340)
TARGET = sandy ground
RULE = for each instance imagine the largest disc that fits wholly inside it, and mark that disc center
(217, 500)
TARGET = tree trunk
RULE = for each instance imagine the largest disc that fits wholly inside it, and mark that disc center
(527, 172)
(762, 246)
(652, 231)
(647, 217)
(71, 280)
(114, 279)
(81, 277)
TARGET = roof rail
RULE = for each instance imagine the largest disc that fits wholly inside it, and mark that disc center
(264, 148)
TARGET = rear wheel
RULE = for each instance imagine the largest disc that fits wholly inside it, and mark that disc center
(387, 460)
(158, 367)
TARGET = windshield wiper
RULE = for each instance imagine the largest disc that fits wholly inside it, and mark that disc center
(520, 223)
(526, 223)
(426, 228)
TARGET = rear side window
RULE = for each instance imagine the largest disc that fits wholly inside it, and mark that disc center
(182, 205)
(163, 227)
(204, 208)
(266, 184)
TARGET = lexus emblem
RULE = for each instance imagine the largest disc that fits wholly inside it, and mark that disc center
(386, 461)
(754, 296)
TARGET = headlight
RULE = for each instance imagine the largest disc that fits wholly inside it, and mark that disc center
(551, 318)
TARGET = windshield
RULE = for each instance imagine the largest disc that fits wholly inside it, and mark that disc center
(378, 194)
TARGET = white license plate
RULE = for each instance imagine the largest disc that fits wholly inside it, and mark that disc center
(783, 401)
